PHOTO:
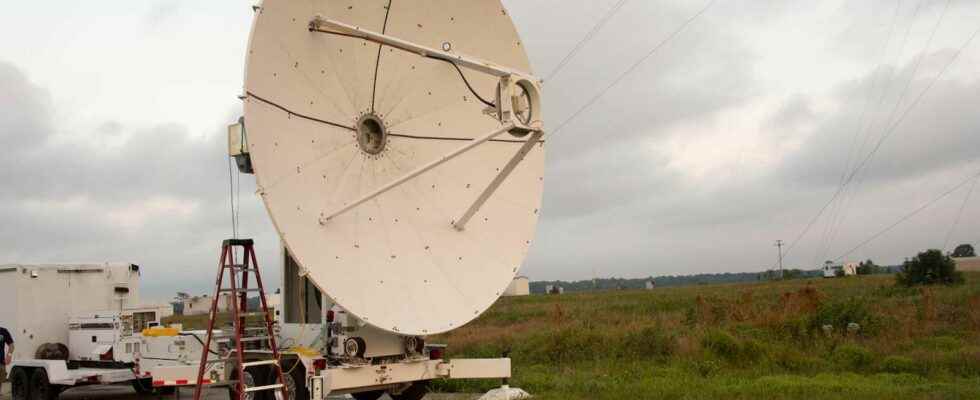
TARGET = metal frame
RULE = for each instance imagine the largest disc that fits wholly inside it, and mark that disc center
(342, 380)
(239, 305)
(418, 171)
(510, 82)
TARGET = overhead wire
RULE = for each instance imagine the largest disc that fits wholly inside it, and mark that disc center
(238, 200)
(850, 192)
(839, 209)
(972, 177)
(846, 202)
(231, 199)
(854, 150)
(891, 129)
(588, 37)
(959, 214)
(631, 69)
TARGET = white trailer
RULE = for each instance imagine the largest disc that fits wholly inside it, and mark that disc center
(328, 351)
(38, 300)
(73, 324)
(168, 358)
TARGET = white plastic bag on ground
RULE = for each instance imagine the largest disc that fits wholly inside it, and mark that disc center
(506, 393)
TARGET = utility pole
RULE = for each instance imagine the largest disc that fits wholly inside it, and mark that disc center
(779, 244)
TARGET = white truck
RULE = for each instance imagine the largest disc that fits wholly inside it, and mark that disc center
(74, 325)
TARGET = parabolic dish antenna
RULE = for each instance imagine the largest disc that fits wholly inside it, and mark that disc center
(408, 197)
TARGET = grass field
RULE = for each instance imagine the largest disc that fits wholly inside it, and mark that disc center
(780, 340)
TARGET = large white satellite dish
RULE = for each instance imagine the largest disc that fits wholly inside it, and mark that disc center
(403, 196)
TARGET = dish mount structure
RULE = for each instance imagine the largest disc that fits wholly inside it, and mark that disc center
(399, 149)
(385, 169)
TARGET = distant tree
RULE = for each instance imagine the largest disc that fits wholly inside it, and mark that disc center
(929, 268)
(792, 274)
(963, 251)
(868, 268)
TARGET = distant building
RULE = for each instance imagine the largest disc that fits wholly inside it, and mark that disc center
(554, 289)
(197, 305)
(520, 286)
(967, 263)
(273, 300)
(832, 271)
(651, 284)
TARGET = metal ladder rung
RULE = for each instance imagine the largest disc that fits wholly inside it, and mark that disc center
(249, 290)
(254, 338)
(221, 360)
(263, 388)
(222, 383)
(251, 314)
(258, 363)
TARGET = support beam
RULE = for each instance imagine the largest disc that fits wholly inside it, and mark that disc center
(419, 171)
(460, 224)
(323, 25)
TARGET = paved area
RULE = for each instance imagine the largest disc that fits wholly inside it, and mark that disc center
(119, 392)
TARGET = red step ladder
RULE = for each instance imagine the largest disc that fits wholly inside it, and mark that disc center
(238, 281)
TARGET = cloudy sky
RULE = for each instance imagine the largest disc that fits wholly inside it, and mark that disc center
(733, 134)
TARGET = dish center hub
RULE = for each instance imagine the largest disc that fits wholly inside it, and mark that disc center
(371, 134)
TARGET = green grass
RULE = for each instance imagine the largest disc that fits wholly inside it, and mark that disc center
(781, 340)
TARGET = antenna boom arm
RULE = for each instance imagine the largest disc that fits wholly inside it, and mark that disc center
(460, 224)
(476, 64)
(419, 171)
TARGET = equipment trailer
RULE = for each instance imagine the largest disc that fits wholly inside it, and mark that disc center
(76, 325)
(333, 352)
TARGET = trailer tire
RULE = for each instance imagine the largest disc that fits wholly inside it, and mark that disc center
(19, 384)
(248, 380)
(261, 376)
(297, 371)
(417, 391)
(52, 351)
(372, 395)
(145, 387)
(292, 385)
(41, 388)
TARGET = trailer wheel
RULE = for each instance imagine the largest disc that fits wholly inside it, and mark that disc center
(261, 375)
(372, 395)
(249, 381)
(290, 381)
(20, 385)
(417, 391)
(145, 387)
(41, 388)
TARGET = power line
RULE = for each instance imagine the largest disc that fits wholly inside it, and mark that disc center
(973, 177)
(888, 133)
(836, 218)
(231, 199)
(779, 244)
(588, 36)
(843, 206)
(632, 69)
(956, 222)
